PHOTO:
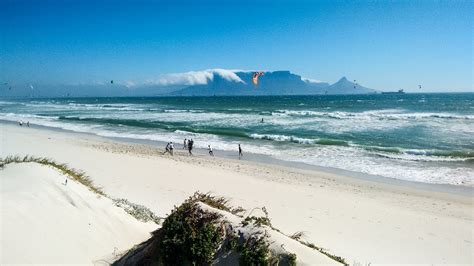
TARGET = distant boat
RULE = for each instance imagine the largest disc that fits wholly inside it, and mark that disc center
(394, 92)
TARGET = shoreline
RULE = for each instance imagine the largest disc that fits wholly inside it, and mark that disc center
(464, 190)
(360, 220)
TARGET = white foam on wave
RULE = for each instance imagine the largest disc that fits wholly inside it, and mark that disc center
(182, 111)
(358, 160)
(49, 121)
(390, 114)
(282, 138)
(421, 156)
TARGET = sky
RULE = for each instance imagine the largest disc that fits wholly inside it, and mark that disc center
(384, 45)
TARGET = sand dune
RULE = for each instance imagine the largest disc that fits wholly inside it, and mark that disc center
(45, 221)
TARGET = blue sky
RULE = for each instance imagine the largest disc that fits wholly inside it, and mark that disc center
(384, 45)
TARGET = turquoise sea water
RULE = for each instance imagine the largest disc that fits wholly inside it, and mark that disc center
(419, 137)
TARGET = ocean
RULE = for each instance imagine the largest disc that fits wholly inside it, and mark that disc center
(417, 137)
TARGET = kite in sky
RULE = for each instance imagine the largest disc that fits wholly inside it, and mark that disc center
(255, 77)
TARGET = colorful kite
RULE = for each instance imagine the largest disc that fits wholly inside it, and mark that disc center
(255, 77)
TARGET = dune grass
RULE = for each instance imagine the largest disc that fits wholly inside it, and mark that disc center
(75, 174)
(217, 202)
(332, 256)
(140, 212)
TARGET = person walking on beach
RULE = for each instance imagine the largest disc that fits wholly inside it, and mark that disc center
(185, 144)
(190, 147)
(240, 152)
(211, 153)
(28, 123)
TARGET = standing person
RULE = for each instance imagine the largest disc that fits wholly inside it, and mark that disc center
(240, 152)
(171, 148)
(167, 149)
(211, 153)
(190, 146)
(28, 123)
(185, 143)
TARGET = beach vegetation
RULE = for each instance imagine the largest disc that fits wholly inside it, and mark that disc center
(332, 256)
(258, 221)
(217, 202)
(255, 251)
(140, 212)
(191, 235)
(75, 174)
(195, 235)
(297, 235)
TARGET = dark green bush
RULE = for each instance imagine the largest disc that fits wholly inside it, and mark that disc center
(232, 242)
(290, 258)
(190, 235)
(255, 251)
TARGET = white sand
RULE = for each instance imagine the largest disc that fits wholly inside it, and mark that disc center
(362, 221)
(279, 243)
(45, 221)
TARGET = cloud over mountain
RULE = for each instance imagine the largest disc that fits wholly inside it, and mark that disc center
(195, 77)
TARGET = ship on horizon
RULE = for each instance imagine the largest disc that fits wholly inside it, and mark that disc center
(400, 91)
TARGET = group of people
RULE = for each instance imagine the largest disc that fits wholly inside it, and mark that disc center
(189, 144)
(20, 123)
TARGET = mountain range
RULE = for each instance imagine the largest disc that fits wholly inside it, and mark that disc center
(271, 83)
(211, 83)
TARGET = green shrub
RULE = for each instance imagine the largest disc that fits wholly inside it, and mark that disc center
(232, 242)
(290, 258)
(258, 221)
(190, 235)
(255, 251)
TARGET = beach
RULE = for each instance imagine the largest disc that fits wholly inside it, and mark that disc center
(360, 220)
(425, 138)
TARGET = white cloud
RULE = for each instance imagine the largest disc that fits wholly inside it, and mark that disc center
(308, 80)
(130, 84)
(194, 77)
